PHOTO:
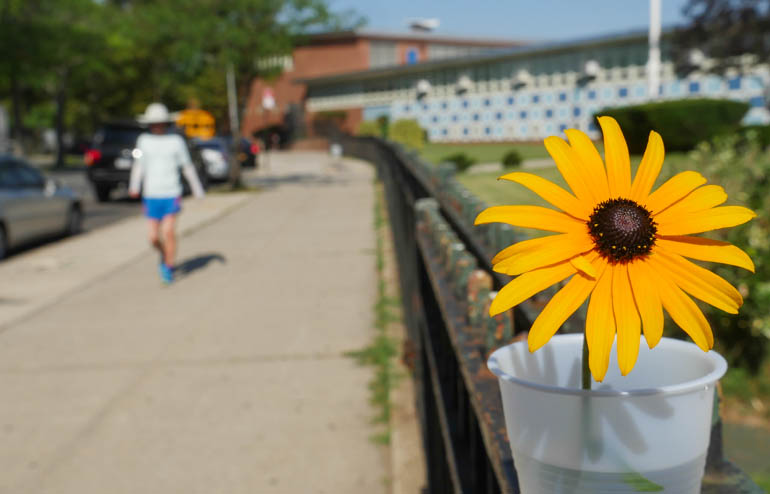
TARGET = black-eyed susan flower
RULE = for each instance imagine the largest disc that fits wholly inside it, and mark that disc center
(620, 243)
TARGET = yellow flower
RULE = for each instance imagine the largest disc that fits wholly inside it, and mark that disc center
(620, 243)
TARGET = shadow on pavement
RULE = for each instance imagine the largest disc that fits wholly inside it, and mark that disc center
(186, 267)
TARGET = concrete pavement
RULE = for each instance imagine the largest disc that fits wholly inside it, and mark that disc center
(232, 380)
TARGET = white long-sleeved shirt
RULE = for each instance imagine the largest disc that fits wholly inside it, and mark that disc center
(156, 168)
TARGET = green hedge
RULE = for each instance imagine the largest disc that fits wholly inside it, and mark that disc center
(408, 132)
(512, 159)
(369, 128)
(682, 123)
(461, 160)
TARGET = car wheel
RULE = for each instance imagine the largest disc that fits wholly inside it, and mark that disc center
(74, 221)
(3, 243)
(103, 193)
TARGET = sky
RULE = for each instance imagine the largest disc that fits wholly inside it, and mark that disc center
(533, 20)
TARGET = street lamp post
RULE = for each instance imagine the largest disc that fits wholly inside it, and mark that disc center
(653, 59)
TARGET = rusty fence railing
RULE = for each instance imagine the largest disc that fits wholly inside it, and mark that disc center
(446, 284)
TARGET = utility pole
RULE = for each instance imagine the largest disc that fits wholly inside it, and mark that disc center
(653, 59)
(235, 133)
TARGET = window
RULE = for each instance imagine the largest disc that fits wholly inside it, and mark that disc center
(412, 55)
(523, 115)
(562, 96)
(29, 177)
(454, 118)
(465, 103)
(548, 113)
(576, 112)
(591, 94)
(465, 131)
(444, 132)
(734, 83)
(510, 100)
(622, 92)
(562, 127)
(487, 102)
(435, 119)
(535, 98)
(443, 105)
(694, 87)
(475, 117)
(499, 115)
(757, 102)
(487, 130)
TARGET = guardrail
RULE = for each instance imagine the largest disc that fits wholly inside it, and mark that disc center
(447, 283)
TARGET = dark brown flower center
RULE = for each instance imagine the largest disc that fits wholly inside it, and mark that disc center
(622, 230)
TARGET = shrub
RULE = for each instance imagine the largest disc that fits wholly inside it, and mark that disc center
(682, 123)
(407, 132)
(461, 160)
(369, 128)
(512, 159)
(742, 167)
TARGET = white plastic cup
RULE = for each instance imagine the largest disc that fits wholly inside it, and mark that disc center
(646, 432)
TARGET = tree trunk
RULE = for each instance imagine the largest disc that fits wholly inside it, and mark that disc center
(61, 102)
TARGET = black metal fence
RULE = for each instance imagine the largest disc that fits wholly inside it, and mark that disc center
(446, 283)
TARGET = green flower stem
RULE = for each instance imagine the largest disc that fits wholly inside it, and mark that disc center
(586, 369)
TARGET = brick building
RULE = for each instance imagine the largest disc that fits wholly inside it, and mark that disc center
(343, 52)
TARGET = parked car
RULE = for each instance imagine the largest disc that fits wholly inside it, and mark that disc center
(112, 154)
(215, 154)
(247, 153)
(33, 206)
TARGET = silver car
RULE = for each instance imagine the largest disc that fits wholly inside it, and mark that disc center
(33, 206)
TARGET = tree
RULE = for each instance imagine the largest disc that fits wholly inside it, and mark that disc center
(724, 30)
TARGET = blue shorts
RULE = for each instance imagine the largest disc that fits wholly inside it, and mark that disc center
(157, 208)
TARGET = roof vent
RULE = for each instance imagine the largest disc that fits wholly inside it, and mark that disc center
(423, 88)
(521, 79)
(464, 84)
(424, 25)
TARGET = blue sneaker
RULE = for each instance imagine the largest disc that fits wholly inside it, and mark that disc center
(166, 273)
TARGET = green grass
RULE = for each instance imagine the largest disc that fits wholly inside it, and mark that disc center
(483, 153)
(499, 192)
(381, 353)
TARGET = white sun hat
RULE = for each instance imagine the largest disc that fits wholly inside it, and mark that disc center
(154, 114)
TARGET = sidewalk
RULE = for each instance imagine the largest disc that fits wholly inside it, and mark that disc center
(232, 380)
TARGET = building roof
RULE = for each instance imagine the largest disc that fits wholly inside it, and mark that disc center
(488, 56)
(412, 36)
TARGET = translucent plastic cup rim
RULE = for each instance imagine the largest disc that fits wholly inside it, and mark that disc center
(718, 362)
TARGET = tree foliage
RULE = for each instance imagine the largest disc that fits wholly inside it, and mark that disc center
(725, 30)
(88, 60)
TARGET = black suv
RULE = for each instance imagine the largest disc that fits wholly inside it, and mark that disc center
(111, 156)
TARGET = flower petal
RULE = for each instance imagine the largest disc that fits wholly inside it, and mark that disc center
(583, 265)
(523, 287)
(616, 157)
(569, 166)
(704, 221)
(600, 326)
(626, 318)
(551, 193)
(700, 199)
(567, 246)
(559, 308)
(697, 281)
(533, 243)
(532, 217)
(707, 249)
(647, 300)
(685, 313)
(672, 190)
(649, 168)
(592, 163)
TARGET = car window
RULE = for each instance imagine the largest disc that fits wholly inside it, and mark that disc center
(29, 177)
(117, 136)
(9, 178)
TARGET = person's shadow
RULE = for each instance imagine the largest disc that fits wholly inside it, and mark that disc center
(188, 266)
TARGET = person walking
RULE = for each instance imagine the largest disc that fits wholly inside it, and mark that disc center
(160, 156)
